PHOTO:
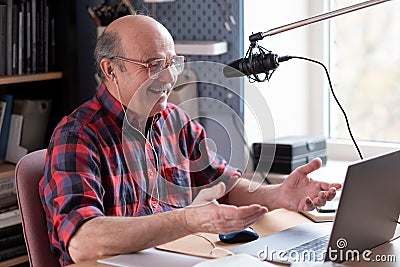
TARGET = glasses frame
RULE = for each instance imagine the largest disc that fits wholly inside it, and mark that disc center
(148, 65)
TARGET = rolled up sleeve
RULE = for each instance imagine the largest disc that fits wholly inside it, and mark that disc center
(71, 189)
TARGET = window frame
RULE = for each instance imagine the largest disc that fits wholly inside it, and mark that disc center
(342, 149)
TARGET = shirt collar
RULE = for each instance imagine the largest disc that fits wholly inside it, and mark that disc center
(114, 108)
(111, 104)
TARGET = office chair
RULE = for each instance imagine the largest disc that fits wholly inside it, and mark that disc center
(28, 172)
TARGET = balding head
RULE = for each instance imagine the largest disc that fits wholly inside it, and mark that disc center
(135, 26)
(130, 36)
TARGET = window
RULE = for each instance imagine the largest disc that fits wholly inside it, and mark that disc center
(362, 52)
(365, 71)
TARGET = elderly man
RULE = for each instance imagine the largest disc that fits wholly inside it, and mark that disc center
(96, 195)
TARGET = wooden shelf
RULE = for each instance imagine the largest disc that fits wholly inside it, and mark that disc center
(7, 170)
(14, 261)
(30, 77)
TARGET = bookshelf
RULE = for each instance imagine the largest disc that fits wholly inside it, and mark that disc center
(14, 261)
(29, 84)
(53, 79)
(12, 79)
(7, 185)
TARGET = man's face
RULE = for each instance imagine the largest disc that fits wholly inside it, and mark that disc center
(143, 94)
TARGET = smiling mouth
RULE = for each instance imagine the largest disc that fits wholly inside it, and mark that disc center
(157, 91)
(160, 90)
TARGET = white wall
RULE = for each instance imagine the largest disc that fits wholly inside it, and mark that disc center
(295, 92)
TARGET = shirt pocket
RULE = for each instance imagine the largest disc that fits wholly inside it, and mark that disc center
(175, 187)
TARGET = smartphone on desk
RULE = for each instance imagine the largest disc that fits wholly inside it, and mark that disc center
(330, 206)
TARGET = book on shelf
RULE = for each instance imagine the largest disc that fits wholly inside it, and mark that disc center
(3, 39)
(27, 36)
(14, 149)
(39, 35)
(3, 105)
(36, 114)
(6, 124)
(7, 179)
(11, 230)
(14, 41)
(7, 201)
(21, 38)
(46, 37)
(12, 241)
(8, 44)
(52, 39)
(10, 218)
(12, 252)
(34, 35)
(13, 212)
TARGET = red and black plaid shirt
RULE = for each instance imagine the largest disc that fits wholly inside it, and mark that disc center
(94, 169)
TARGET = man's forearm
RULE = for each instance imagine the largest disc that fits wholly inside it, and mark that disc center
(116, 235)
(265, 195)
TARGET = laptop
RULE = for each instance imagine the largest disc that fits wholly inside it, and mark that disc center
(366, 217)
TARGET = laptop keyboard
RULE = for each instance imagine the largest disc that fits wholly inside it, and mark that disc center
(313, 250)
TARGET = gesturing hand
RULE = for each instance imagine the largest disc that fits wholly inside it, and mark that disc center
(300, 192)
(205, 214)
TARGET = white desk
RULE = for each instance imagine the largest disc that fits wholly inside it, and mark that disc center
(272, 222)
(154, 257)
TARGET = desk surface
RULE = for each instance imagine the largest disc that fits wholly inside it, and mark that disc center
(272, 222)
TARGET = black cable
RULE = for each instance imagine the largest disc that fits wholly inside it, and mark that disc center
(253, 158)
(336, 99)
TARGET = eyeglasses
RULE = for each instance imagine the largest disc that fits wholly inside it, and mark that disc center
(175, 64)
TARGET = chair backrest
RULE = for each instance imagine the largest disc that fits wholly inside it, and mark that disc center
(28, 172)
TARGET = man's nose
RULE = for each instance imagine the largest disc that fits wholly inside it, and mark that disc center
(167, 75)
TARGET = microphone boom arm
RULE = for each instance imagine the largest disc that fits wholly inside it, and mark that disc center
(260, 35)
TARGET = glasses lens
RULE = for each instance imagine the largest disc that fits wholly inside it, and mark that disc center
(156, 66)
(175, 65)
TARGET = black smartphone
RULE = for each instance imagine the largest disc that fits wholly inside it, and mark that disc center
(330, 206)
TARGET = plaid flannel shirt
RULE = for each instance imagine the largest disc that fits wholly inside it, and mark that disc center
(93, 168)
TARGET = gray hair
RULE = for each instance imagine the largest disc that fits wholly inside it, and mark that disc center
(108, 46)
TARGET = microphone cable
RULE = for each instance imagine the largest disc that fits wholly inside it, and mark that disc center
(336, 100)
(286, 58)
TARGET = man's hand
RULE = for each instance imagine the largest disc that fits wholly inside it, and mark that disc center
(300, 192)
(205, 214)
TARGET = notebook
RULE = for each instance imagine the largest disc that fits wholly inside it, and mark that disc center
(326, 213)
(366, 217)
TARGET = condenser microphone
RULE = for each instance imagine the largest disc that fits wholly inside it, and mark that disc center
(258, 63)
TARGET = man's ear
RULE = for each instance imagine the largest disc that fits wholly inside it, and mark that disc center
(107, 67)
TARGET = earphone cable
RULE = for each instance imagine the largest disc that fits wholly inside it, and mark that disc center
(148, 142)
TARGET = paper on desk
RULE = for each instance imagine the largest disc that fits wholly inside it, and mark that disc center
(238, 260)
(150, 258)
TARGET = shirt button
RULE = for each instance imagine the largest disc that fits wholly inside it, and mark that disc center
(151, 172)
(154, 205)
